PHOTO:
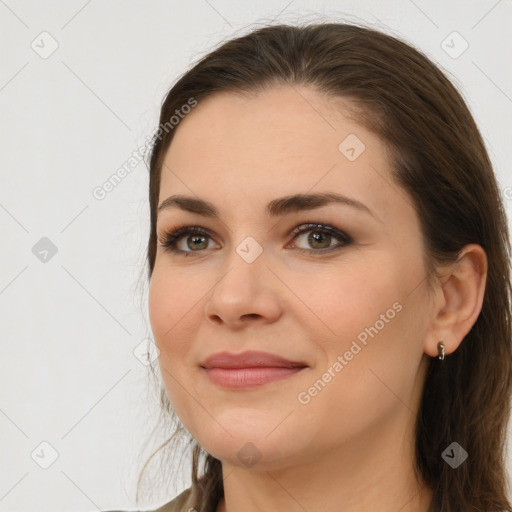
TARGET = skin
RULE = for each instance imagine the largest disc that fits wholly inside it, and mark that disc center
(351, 446)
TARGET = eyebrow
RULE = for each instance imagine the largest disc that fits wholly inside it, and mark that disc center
(276, 207)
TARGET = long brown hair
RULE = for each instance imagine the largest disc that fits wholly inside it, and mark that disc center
(439, 158)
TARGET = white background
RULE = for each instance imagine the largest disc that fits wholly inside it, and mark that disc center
(68, 122)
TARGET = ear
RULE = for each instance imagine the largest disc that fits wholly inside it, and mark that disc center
(459, 299)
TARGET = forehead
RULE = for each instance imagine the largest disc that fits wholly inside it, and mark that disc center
(284, 141)
(293, 122)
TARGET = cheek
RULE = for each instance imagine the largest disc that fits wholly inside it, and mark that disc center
(341, 302)
(170, 305)
(169, 302)
(358, 313)
(159, 299)
(368, 317)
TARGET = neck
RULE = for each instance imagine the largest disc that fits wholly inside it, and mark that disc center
(374, 472)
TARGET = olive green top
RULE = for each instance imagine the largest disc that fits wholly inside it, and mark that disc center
(184, 502)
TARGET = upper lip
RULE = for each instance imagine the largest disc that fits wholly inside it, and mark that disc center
(249, 359)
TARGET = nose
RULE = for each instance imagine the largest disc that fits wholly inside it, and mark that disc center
(244, 294)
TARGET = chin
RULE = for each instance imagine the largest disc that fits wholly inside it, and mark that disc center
(261, 451)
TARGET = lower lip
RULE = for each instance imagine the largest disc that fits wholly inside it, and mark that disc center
(243, 378)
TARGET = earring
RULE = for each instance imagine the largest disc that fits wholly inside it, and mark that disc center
(440, 349)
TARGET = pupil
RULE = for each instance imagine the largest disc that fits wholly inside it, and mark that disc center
(315, 238)
(197, 240)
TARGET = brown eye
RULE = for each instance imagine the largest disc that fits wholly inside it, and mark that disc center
(320, 237)
(195, 238)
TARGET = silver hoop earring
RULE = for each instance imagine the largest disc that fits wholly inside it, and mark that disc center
(440, 350)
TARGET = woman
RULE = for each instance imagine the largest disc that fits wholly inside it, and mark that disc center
(329, 268)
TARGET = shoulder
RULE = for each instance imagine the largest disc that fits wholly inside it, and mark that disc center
(184, 502)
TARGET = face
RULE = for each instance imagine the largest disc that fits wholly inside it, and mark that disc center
(345, 297)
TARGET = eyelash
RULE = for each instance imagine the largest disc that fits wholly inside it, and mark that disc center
(171, 238)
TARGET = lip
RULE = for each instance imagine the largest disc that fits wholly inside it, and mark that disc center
(249, 369)
(249, 359)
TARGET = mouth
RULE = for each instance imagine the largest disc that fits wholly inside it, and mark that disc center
(249, 369)
(245, 378)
